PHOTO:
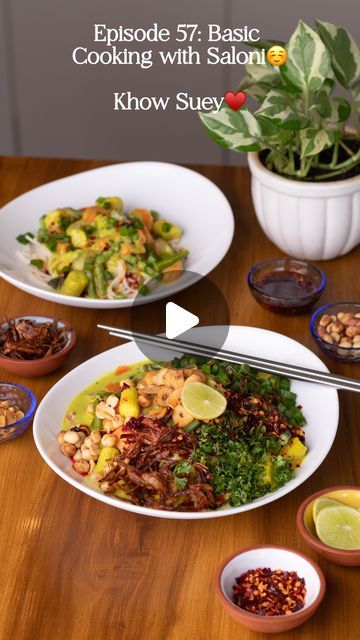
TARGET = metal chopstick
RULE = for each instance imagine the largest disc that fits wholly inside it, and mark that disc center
(278, 368)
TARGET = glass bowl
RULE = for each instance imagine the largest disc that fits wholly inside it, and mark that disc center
(308, 284)
(336, 351)
(25, 400)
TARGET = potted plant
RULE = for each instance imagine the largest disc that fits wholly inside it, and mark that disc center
(304, 142)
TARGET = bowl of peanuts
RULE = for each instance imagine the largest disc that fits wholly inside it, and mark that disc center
(17, 408)
(336, 330)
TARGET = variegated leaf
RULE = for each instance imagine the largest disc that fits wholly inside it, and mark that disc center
(331, 109)
(278, 107)
(259, 79)
(313, 141)
(345, 54)
(308, 60)
(262, 72)
(237, 130)
(355, 90)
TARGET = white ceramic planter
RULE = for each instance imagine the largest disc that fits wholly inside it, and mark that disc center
(306, 220)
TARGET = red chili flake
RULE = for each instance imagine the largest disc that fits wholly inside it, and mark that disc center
(270, 593)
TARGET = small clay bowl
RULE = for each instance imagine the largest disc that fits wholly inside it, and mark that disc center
(40, 366)
(349, 495)
(276, 558)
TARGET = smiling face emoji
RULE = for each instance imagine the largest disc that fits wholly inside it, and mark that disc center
(276, 56)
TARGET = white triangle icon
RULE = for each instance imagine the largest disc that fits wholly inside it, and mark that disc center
(178, 320)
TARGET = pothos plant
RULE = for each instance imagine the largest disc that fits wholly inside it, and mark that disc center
(305, 127)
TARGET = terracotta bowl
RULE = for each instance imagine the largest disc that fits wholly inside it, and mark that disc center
(349, 495)
(275, 558)
(40, 366)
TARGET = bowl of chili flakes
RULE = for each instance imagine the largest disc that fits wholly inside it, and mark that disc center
(270, 589)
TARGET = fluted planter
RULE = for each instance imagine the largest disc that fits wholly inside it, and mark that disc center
(315, 221)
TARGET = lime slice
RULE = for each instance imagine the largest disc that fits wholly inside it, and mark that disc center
(339, 527)
(202, 402)
(320, 503)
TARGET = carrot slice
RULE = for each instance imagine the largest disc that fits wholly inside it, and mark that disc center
(122, 369)
(145, 216)
(113, 387)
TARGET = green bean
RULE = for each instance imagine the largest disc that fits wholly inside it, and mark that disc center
(96, 424)
(89, 272)
(192, 426)
(100, 280)
(102, 258)
(169, 262)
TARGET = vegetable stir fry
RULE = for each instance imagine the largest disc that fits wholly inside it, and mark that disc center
(142, 438)
(103, 252)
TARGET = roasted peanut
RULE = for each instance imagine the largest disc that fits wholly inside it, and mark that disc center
(324, 320)
(68, 449)
(82, 466)
(342, 330)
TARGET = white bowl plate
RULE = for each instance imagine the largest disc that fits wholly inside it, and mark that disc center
(184, 197)
(320, 406)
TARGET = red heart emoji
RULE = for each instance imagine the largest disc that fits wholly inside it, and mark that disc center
(235, 100)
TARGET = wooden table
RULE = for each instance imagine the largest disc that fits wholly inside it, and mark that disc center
(73, 568)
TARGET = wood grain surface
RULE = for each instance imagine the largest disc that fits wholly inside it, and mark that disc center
(72, 568)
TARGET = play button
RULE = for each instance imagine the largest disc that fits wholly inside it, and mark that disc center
(178, 320)
(180, 314)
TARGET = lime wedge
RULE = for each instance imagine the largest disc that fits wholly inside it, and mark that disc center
(202, 402)
(320, 503)
(339, 527)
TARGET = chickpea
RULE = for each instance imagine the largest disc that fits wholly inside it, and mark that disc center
(336, 337)
(108, 441)
(87, 455)
(108, 425)
(78, 455)
(328, 339)
(72, 438)
(104, 411)
(112, 401)
(95, 437)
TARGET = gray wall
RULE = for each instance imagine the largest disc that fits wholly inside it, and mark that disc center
(51, 107)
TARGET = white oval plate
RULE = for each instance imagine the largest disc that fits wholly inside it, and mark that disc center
(183, 196)
(320, 406)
